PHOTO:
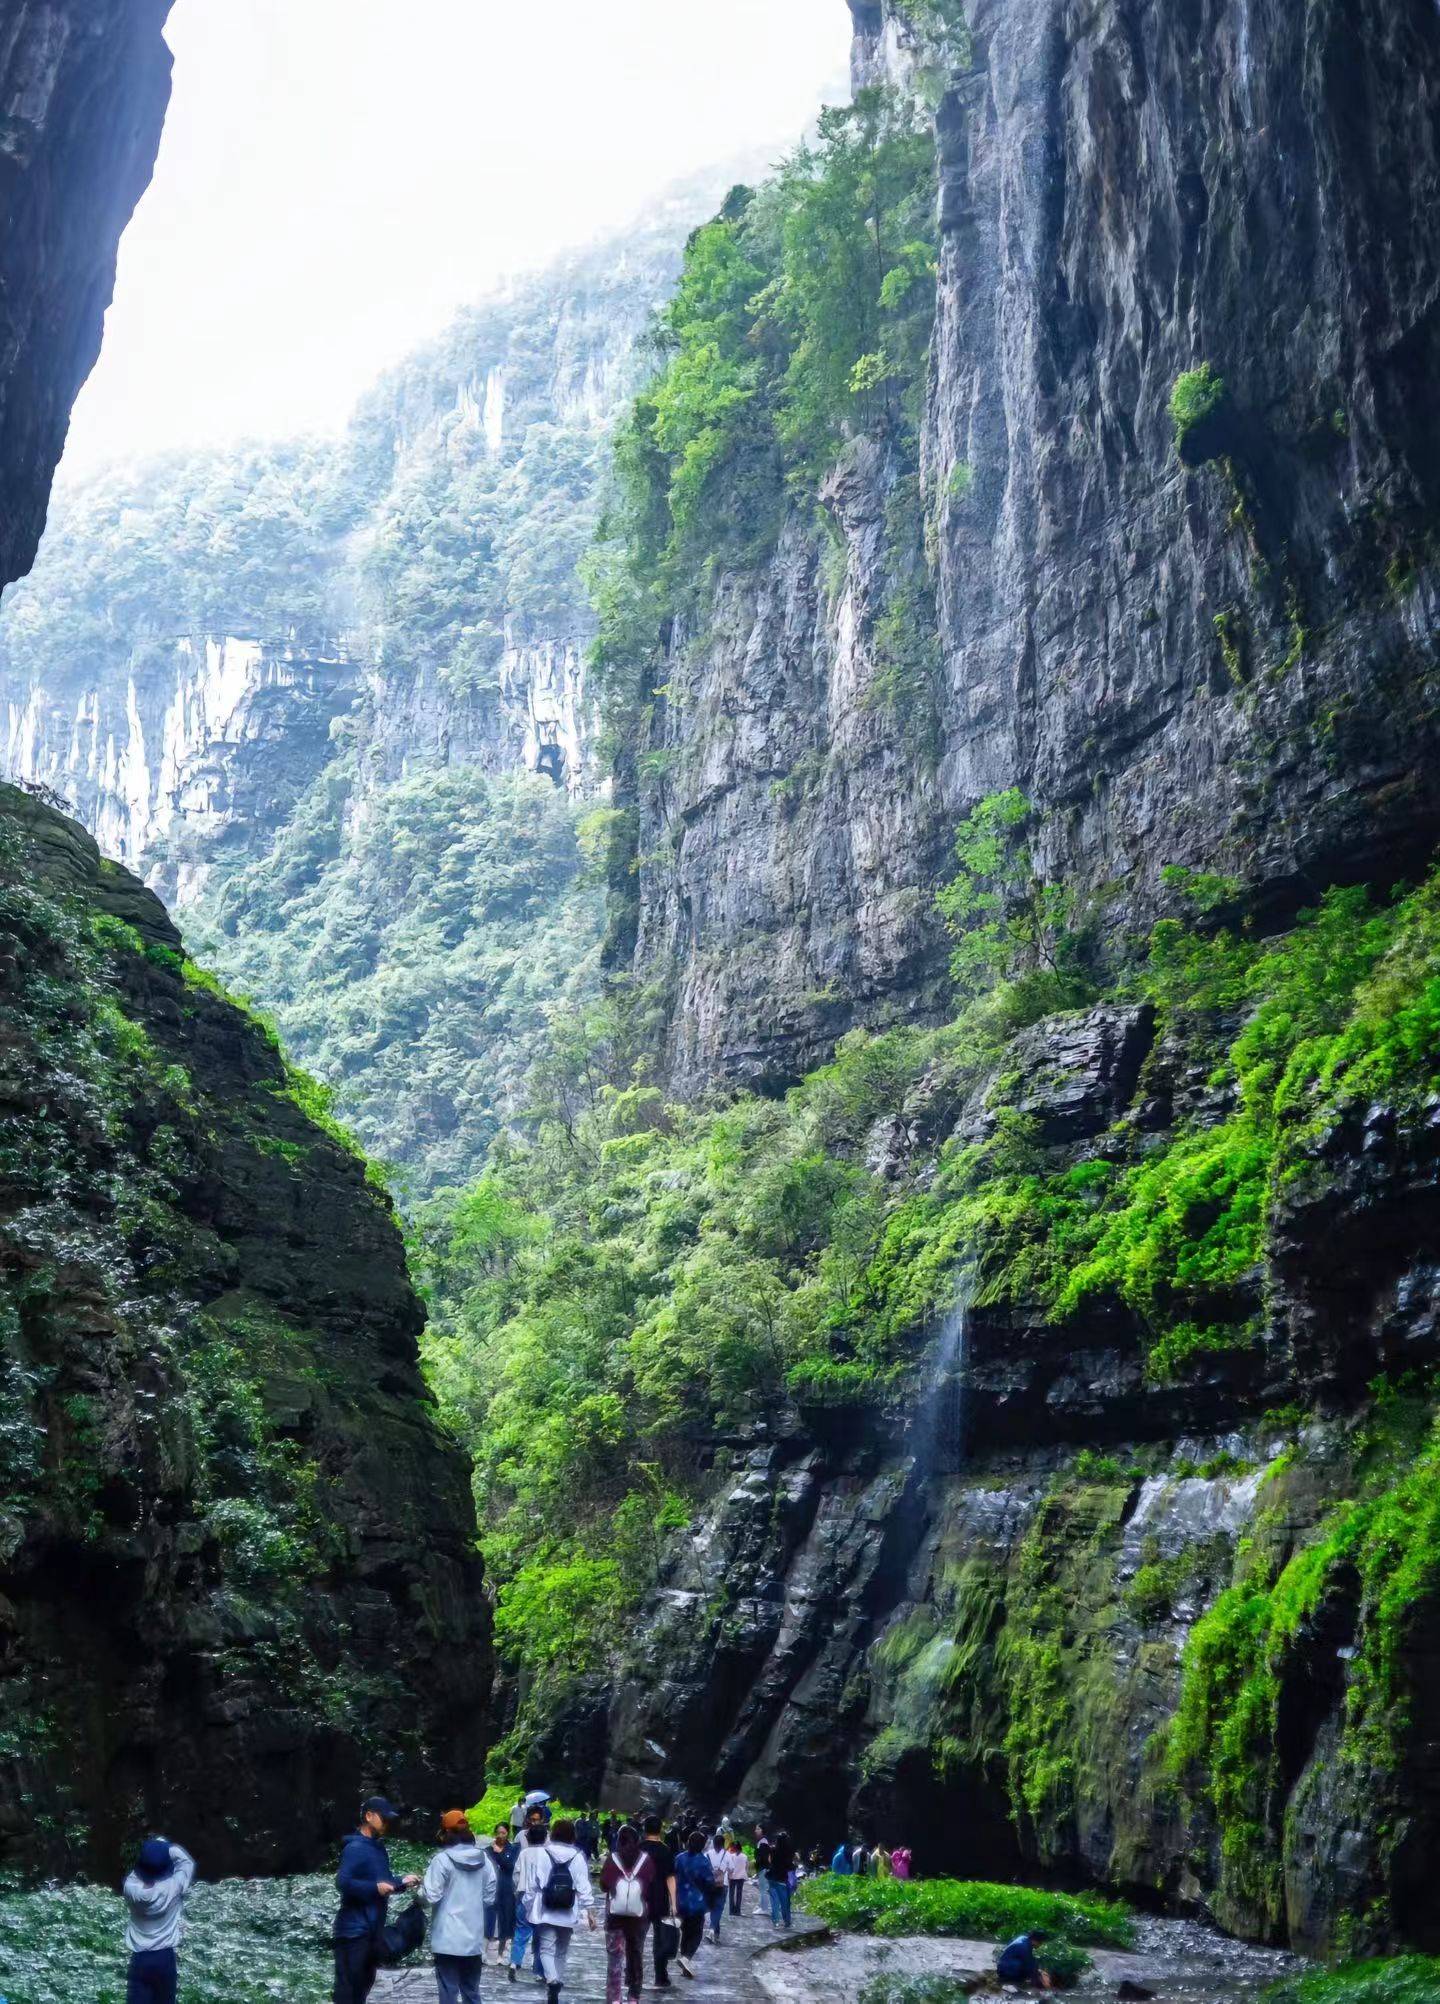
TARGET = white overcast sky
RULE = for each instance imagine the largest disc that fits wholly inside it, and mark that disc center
(338, 175)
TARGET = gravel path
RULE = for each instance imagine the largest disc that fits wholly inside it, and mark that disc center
(723, 1975)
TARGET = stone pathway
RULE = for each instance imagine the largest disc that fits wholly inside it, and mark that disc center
(723, 1975)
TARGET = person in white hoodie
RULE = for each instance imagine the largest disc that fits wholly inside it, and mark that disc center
(459, 1884)
(155, 1919)
(553, 1880)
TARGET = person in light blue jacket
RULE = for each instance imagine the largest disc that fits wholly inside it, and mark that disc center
(460, 1883)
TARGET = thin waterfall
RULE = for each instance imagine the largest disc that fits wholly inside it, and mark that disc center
(939, 1423)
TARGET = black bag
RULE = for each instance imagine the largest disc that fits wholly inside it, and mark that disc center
(559, 1891)
(403, 1935)
(668, 1944)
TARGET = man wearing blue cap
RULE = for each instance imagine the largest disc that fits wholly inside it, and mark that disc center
(366, 1882)
(155, 1919)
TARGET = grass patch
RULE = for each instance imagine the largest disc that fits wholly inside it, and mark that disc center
(1402, 1979)
(972, 1908)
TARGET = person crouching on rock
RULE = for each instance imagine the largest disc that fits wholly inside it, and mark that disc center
(366, 1881)
(1019, 1964)
(155, 1919)
(461, 1885)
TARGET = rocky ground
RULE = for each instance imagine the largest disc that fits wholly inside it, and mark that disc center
(1180, 1962)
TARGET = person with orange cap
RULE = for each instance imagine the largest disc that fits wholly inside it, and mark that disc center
(460, 1884)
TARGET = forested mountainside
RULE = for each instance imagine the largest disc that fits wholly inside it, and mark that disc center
(330, 697)
(1018, 643)
(226, 1511)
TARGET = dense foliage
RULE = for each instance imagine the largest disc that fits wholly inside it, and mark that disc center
(413, 952)
(965, 1907)
(639, 1276)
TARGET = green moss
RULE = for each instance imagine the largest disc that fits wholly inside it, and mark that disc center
(1198, 396)
(1223, 1743)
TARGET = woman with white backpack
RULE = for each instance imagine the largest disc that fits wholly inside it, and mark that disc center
(557, 1886)
(625, 1878)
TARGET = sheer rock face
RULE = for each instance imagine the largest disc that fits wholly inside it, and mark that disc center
(843, 1629)
(1231, 665)
(83, 90)
(237, 1572)
(237, 1576)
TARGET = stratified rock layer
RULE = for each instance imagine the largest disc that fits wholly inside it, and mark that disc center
(1229, 665)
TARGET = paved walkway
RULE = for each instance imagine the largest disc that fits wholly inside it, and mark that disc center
(723, 1974)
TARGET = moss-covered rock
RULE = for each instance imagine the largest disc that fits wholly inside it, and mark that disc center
(237, 1578)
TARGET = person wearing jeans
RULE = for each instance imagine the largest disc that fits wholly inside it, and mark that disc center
(782, 1864)
(554, 1916)
(737, 1868)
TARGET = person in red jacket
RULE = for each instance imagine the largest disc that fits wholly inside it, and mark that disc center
(625, 1879)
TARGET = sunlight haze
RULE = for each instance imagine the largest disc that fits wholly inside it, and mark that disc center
(337, 176)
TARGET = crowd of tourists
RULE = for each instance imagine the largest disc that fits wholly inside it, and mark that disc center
(521, 1891)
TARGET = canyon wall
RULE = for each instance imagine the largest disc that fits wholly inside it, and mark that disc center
(1209, 644)
(77, 156)
(237, 1572)
(1224, 660)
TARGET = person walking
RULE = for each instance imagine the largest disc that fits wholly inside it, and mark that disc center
(901, 1861)
(720, 1869)
(737, 1871)
(500, 1914)
(661, 1892)
(587, 1835)
(693, 1880)
(155, 1893)
(365, 1881)
(460, 1887)
(862, 1859)
(880, 1863)
(842, 1864)
(762, 1867)
(625, 1878)
(782, 1882)
(531, 1868)
(559, 1899)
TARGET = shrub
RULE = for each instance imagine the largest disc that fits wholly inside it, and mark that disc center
(1196, 404)
(1404, 1979)
(973, 1909)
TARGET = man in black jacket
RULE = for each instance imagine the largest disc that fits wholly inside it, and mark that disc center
(366, 1881)
(661, 1895)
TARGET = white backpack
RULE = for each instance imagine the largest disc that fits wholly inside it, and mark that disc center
(627, 1902)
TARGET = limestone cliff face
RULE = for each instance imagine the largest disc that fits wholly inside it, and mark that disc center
(237, 1570)
(1225, 659)
(1229, 665)
(409, 593)
(83, 90)
(896, 1619)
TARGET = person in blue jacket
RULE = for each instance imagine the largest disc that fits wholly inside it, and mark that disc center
(1018, 1962)
(842, 1864)
(366, 1881)
(694, 1882)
